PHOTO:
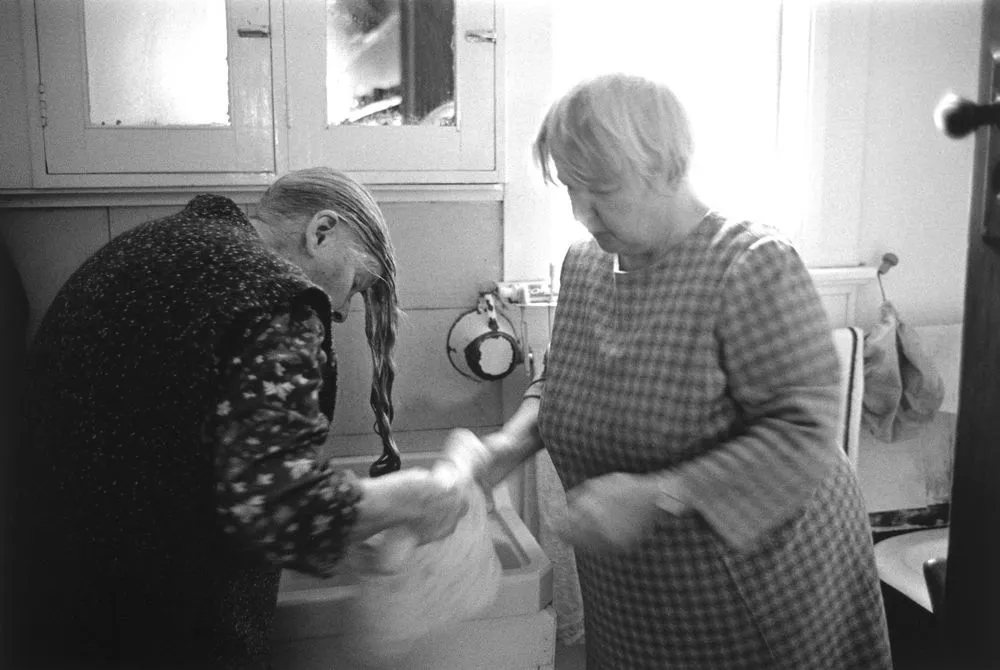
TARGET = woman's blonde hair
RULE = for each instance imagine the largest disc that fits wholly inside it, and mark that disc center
(302, 193)
(614, 128)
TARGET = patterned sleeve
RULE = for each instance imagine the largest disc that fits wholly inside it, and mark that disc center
(272, 492)
(778, 354)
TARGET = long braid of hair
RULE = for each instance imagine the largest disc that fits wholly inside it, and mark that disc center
(380, 329)
(381, 322)
(314, 189)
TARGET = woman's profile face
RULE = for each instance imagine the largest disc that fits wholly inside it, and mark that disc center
(346, 281)
(622, 221)
(347, 276)
(334, 258)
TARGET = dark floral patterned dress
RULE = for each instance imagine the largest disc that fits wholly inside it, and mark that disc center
(273, 492)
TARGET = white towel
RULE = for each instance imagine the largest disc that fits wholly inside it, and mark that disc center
(434, 586)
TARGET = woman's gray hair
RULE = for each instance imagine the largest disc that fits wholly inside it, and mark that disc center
(614, 128)
(302, 193)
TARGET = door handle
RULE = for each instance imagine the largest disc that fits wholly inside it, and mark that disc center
(254, 31)
(957, 117)
(481, 36)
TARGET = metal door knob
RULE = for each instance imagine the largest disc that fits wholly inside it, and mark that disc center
(957, 117)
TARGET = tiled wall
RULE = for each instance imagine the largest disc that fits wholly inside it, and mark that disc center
(447, 252)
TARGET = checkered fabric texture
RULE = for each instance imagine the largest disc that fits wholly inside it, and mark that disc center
(716, 361)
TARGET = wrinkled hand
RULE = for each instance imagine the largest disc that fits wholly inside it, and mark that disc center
(427, 506)
(434, 501)
(469, 457)
(612, 513)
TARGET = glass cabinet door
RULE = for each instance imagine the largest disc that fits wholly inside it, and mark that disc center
(391, 85)
(156, 86)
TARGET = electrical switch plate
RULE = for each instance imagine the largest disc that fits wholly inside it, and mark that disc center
(526, 292)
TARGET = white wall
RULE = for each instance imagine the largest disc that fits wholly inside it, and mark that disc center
(884, 178)
(916, 190)
(528, 70)
(914, 200)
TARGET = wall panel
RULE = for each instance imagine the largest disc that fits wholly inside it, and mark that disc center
(48, 246)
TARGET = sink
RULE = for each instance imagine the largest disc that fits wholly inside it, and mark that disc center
(517, 631)
(306, 604)
(900, 560)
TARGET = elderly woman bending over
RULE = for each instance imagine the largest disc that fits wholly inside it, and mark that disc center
(180, 387)
(689, 403)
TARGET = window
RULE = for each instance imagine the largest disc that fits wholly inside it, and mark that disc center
(738, 66)
(168, 69)
(390, 62)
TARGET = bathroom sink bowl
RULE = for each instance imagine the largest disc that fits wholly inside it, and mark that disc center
(518, 631)
(900, 560)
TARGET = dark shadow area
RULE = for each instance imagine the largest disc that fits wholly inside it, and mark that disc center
(13, 345)
(916, 637)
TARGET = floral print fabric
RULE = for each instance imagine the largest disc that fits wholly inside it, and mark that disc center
(273, 491)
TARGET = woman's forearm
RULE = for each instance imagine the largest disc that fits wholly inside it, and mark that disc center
(751, 483)
(510, 446)
(425, 504)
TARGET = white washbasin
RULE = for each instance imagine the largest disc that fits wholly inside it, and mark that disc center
(900, 560)
(518, 631)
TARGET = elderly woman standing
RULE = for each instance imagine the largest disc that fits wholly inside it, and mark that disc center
(180, 385)
(689, 404)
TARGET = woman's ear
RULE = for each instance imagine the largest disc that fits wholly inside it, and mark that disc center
(322, 230)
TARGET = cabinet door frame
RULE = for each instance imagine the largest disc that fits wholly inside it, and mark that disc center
(70, 148)
(470, 153)
(87, 187)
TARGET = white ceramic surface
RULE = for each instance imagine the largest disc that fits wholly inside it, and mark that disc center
(308, 606)
(900, 560)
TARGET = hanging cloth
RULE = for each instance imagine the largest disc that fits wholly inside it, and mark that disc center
(903, 389)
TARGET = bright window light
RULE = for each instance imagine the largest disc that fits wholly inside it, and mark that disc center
(724, 60)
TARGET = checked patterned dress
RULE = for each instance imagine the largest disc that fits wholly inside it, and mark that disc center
(716, 361)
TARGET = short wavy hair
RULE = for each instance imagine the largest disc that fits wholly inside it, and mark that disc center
(613, 128)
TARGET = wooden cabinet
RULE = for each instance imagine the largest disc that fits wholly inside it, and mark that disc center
(189, 93)
(460, 140)
(150, 87)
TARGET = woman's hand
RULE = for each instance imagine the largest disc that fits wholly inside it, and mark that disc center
(426, 504)
(435, 501)
(614, 512)
(468, 456)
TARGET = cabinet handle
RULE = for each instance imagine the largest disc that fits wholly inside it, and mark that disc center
(254, 31)
(480, 36)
